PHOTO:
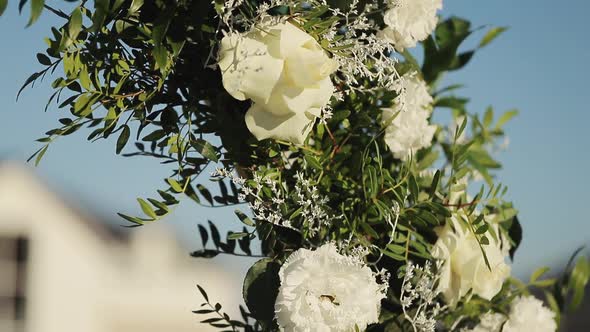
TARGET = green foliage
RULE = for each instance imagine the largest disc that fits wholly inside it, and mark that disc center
(220, 319)
(568, 292)
(260, 290)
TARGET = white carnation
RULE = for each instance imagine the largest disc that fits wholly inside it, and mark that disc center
(409, 131)
(464, 267)
(323, 290)
(410, 21)
(529, 314)
(286, 74)
(489, 322)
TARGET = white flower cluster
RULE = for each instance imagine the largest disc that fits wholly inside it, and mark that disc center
(410, 21)
(323, 290)
(418, 293)
(307, 199)
(286, 67)
(527, 313)
(407, 127)
(286, 73)
(363, 55)
(312, 204)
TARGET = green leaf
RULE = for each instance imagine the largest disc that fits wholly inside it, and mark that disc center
(278, 10)
(161, 56)
(101, 8)
(204, 235)
(28, 81)
(484, 241)
(261, 287)
(451, 102)
(459, 131)
(134, 220)
(169, 199)
(154, 136)
(505, 118)
(41, 154)
(214, 234)
(205, 193)
(488, 117)
(428, 160)
(163, 209)
(135, 6)
(244, 218)
(481, 157)
(545, 283)
(236, 236)
(492, 34)
(3, 5)
(434, 184)
(395, 256)
(515, 233)
(203, 293)
(313, 162)
(75, 24)
(245, 244)
(147, 209)
(205, 149)
(205, 253)
(174, 185)
(43, 59)
(84, 78)
(554, 306)
(36, 10)
(577, 282)
(440, 51)
(413, 184)
(538, 273)
(123, 138)
(203, 311)
(482, 229)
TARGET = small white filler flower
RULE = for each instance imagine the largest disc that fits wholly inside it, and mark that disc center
(409, 21)
(323, 290)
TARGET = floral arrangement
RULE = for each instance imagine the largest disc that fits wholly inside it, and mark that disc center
(316, 119)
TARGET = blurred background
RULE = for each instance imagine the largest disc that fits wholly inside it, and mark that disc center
(63, 252)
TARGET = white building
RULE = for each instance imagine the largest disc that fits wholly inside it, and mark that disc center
(62, 271)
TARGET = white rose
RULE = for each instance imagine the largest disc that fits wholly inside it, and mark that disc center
(323, 290)
(410, 21)
(409, 131)
(286, 74)
(464, 267)
(529, 314)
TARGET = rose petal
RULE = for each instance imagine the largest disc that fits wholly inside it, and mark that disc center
(293, 128)
(248, 69)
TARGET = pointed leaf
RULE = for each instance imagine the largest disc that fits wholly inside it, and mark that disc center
(146, 208)
(492, 34)
(123, 138)
(36, 10)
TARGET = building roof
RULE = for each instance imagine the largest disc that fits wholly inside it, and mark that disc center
(104, 228)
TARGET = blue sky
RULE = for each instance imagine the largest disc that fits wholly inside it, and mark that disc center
(539, 66)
